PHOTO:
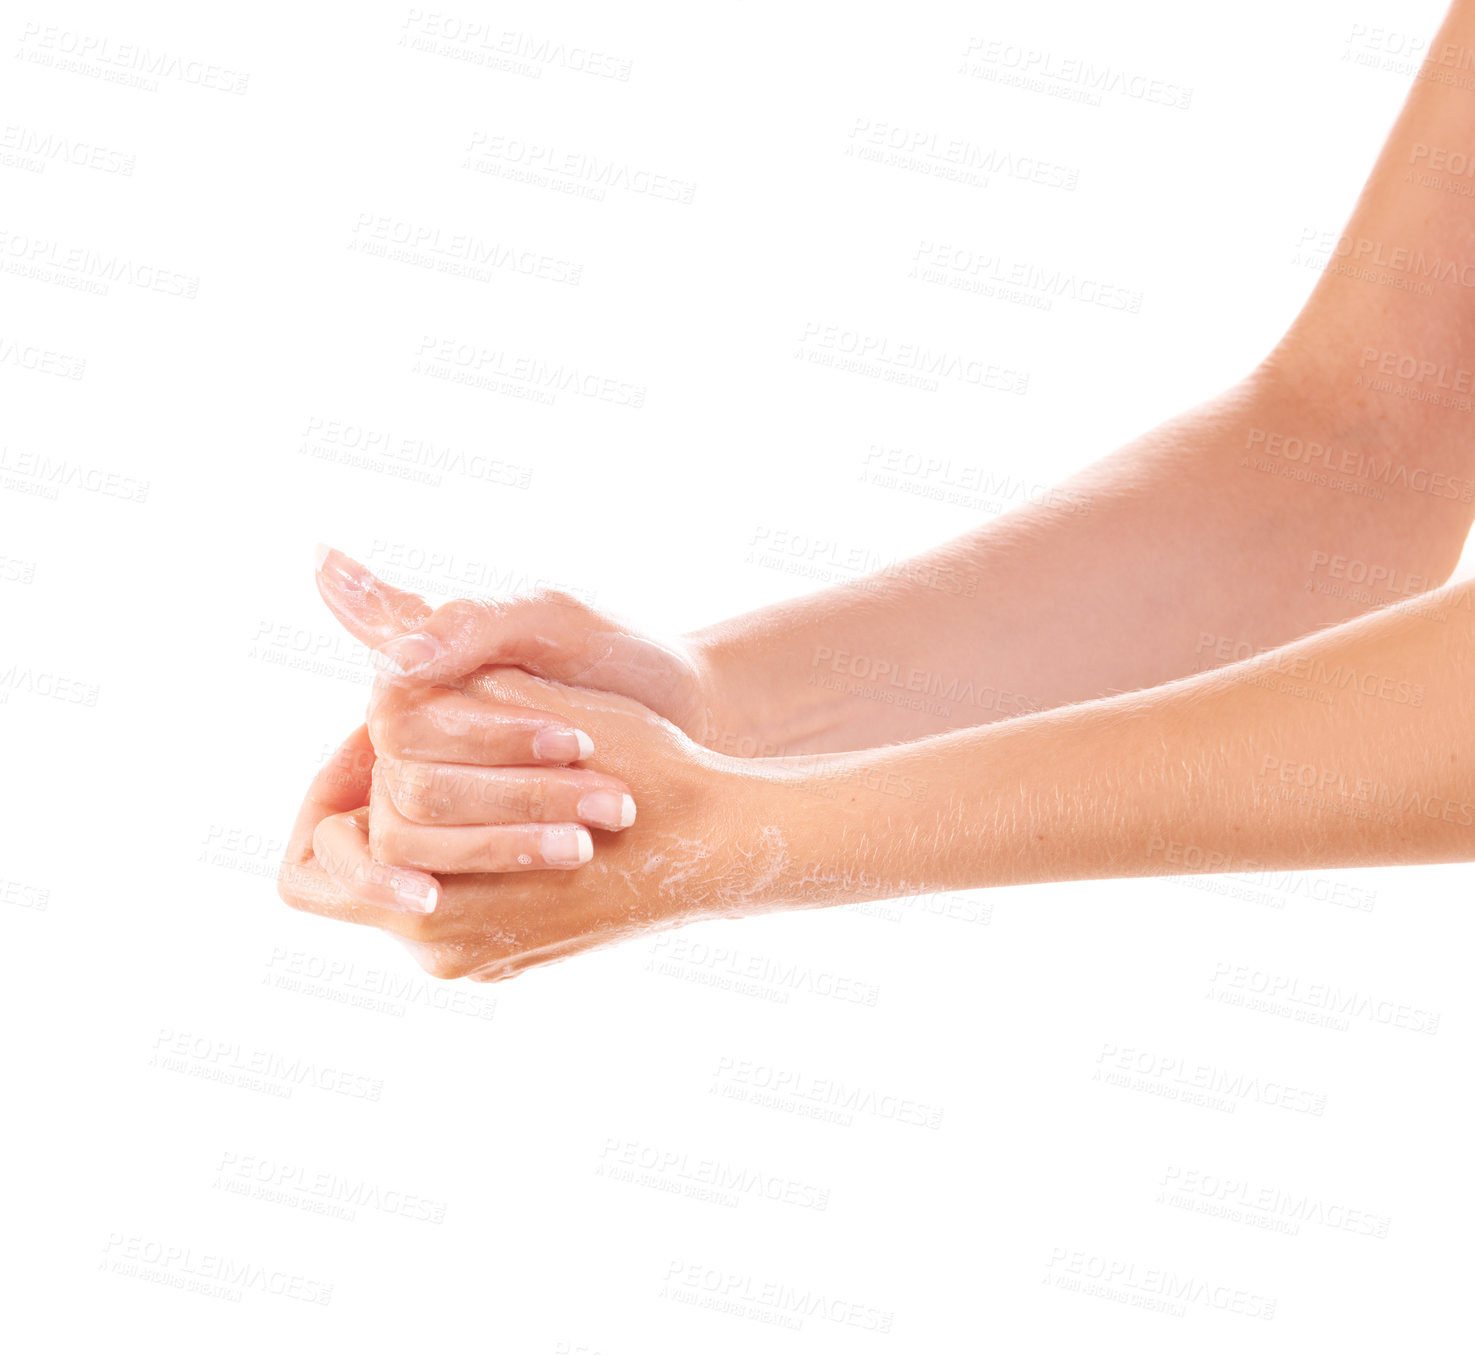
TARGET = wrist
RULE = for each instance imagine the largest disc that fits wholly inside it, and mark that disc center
(832, 828)
(736, 721)
(767, 697)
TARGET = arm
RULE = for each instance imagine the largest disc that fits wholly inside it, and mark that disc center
(1355, 746)
(1235, 527)
(1284, 506)
(1189, 547)
(534, 809)
(1238, 526)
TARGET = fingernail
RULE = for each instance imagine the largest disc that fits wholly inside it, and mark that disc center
(562, 745)
(338, 570)
(607, 808)
(407, 655)
(567, 845)
(416, 896)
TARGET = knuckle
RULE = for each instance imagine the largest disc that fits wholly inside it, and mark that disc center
(421, 931)
(368, 883)
(533, 800)
(464, 615)
(414, 804)
(412, 794)
(389, 720)
(322, 849)
(410, 610)
(287, 888)
(431, 793)
(386, 841)
(563, 599)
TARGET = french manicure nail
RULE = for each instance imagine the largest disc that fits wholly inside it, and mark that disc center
(407, 655)
(607, 808)
(339, 571)
(562, 745)
(416, 896)
(567, 845)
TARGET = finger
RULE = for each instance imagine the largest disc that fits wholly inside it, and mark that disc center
(500, 849)
(439, 724)
(446, 794)
(306, 887)
(553, 635)
(340, 845)
(342, 784)
(467, 633)
(310, 889)
(370, 609)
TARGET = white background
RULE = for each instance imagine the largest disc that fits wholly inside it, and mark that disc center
(487, 1200)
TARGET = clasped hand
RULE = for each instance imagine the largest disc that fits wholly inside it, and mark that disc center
(494, 818)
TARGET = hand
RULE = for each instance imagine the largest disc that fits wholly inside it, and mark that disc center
(444, 812)
(706, 843)
(314, 859)
(550, 634)
(326, 867)
(334, 813)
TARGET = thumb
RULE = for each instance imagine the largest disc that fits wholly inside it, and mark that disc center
(369, 609)
(550, 635)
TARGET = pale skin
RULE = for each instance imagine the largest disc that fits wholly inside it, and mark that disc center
(1097, 611)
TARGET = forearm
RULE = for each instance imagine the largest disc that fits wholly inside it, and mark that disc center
(1190, 547)
(1354, 747)
(1237, 527)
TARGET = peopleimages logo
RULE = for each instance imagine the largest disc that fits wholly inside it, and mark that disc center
(982, 270)
(127, 63)
(946, 156)
(769, 1301)
(1114, 1273)
(770, 1084)
(20, 143)
(1360, 465)
(1371, 253)
(723, 1182)
(228, 1061)
(1325, 997)
(1421, 371)
(209, 1273)
(80, 264)
(1335, 785)
(1177, 1078)
(319, 1191)
(1240, 1201)
(886, 672)
(1075, 79)
(877, 354)
(475, 364)
(1342, 677)
(1441, 159)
